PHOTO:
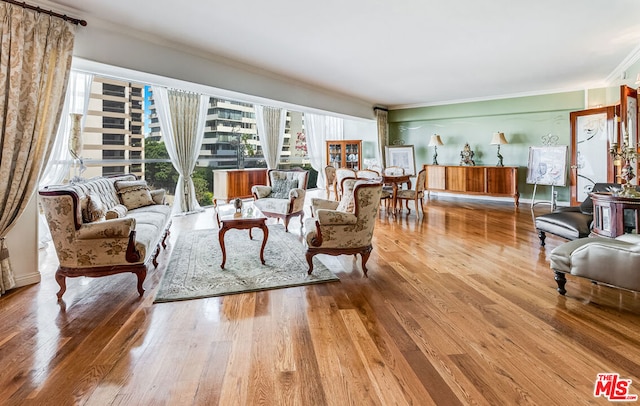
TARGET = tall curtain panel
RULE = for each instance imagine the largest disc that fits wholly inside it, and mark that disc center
(182, 116)
(35, 59)
(58, 165)
(314, 128)
(270, 122)
(320, 128)
(76, 101)
(382, 118)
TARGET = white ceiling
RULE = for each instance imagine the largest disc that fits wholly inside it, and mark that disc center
(399, 52)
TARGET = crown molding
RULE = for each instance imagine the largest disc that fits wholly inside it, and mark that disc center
(592, 85)
(619, 72)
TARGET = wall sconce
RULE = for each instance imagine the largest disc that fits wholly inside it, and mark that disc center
(498, 139)
(434, 142)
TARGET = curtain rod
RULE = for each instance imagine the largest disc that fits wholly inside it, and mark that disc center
(49, 12)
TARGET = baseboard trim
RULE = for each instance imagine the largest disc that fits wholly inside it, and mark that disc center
(29, 279)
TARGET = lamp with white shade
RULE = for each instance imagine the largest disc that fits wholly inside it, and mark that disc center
(498, 139)
(434, 142)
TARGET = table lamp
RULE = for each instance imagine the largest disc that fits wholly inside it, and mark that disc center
(498, 139)
(434, 142)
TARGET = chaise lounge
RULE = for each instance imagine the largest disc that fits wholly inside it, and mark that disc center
(610, 261)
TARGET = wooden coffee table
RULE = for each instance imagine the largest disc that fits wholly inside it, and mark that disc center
(248, 218)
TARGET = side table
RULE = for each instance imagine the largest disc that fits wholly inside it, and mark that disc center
(610, 213)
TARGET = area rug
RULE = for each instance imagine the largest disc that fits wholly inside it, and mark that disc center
(194, 267)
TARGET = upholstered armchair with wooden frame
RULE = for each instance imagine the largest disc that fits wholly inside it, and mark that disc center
(347, 228)
(417, 194)
(284, 197)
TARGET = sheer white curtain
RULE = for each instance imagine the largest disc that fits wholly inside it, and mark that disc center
(76, 101)
(182, 116)
(59, 163)
(320, 128)
(270, 122)
(314, 129)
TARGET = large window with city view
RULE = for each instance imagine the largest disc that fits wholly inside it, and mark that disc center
(122, 135)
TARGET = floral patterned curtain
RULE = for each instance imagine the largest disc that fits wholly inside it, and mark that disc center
(35, 59)
(382, 116)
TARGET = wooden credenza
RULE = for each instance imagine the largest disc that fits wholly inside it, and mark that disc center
(501, 181)
(229, 184)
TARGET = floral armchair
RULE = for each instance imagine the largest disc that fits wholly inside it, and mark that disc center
(345, 227)
(283, 198)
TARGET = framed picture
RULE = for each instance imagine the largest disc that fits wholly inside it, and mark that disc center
(547, 166)
(402, 156)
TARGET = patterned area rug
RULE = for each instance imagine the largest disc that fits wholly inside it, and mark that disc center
(194, 268)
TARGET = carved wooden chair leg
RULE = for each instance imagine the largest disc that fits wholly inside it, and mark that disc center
(560, 280)
(141, 274)
(309, 256)
(542, 236)
(62, 282)
(365, 257)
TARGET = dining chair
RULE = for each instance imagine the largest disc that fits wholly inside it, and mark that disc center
(393, 170)
(330, 179)
(342, 173)
(368, 174)
(417, 194)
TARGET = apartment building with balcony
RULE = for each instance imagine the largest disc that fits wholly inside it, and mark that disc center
(113, 130)
(229, 122)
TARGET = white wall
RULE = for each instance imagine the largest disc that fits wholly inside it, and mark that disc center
(367, 131)
(22, 242)
(104, 44)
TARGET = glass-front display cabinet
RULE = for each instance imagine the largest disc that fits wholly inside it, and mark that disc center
(344, 154)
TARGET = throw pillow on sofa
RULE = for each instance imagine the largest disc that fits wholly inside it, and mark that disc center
(92, 208)
(134, 193)
(116, 212)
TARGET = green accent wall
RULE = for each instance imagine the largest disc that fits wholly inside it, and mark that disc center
(523, 120)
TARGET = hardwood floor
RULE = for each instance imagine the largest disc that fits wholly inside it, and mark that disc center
(460, 307)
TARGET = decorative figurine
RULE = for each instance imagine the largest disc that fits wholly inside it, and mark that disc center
(466, 156)
(238, 205)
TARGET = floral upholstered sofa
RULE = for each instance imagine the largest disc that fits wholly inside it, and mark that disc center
(105, 226)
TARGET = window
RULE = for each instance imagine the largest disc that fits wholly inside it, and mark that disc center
(113, 106)
(113, 139)
(112, 154)
(112, 90)
(124, 136)
(113, 122)
(112, 170)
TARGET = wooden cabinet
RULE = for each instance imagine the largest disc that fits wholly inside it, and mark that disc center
(344, 154)
(481, 180)
(229, 184)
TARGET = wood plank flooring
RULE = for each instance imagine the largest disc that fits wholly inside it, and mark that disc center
(459, 308)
